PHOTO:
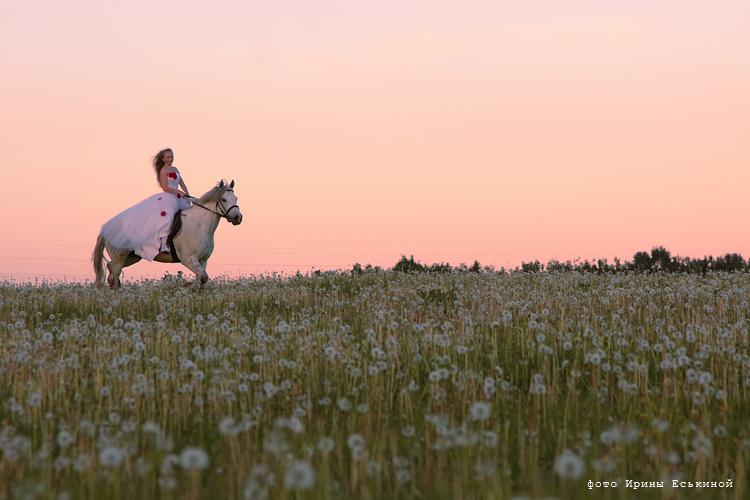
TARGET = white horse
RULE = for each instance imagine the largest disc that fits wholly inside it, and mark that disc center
(193, 245)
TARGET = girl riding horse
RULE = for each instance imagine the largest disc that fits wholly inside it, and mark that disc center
(142, 231)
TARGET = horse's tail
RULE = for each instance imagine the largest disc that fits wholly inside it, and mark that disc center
(97, 259)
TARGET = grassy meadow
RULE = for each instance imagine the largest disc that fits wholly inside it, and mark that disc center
(377, 384)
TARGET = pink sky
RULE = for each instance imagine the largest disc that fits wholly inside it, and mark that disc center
(360, 131)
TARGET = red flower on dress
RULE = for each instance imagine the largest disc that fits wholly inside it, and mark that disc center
(163, 213)
(172, 175)
(179, 196)
(159, 197)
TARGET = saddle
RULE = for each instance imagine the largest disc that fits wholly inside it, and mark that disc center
(176, 228)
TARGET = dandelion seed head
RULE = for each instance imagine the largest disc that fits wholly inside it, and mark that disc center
(64, 439)
(568, 465)
(373, 468)
(403, 476)
(355, 441)
(300, 476)
(480, 411)
(193, 458)
(111, 457)
(326, 444)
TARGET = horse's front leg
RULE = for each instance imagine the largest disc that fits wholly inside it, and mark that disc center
(199, 268)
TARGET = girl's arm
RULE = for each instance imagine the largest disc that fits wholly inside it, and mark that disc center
(184, 187)
(165, 186)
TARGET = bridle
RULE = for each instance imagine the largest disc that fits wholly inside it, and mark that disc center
(222, 213)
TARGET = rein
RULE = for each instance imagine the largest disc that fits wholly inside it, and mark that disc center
(224, 212)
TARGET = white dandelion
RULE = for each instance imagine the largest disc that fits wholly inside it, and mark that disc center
(403, 476)
(300, 476)
(355, 441)
(491, 439)
(111, 456)
(193, 458)
(363, 408)
(254, 491)
(660, 425)
(569, 465)
(82, 463)
(480, 411)
(227, 426)
(373, 468)
(326, 444)
(167, 482)
(64, 439)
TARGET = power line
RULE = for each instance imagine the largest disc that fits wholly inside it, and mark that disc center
(272, 252)
(43, 244)
(211, 263)
(46, 275)
(45, 258)
(215, 251)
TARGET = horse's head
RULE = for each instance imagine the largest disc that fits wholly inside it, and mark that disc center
(227, 205)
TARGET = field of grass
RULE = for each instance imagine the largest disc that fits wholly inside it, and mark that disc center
(377, 384)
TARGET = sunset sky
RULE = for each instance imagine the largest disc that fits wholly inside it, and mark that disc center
(359, 131)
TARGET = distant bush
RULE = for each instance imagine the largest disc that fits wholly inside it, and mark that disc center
(411, 266)
(357, 269)
(408, 265)
(532, 267)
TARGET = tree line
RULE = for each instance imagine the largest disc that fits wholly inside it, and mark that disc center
(658, 260)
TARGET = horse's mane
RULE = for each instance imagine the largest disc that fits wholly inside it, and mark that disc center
(215, 194)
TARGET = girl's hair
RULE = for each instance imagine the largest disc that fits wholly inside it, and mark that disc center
(158, 162)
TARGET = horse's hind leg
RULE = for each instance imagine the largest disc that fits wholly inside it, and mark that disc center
(114, 267)
(199, 268)
(120, 259)
(110, 275)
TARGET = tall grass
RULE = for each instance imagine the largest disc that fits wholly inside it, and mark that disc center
(376, 385)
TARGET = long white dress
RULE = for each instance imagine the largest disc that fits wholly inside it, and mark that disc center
(143, 228)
